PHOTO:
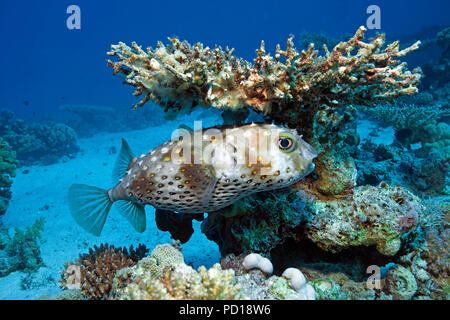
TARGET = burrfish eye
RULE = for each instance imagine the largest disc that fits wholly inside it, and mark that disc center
(286, 143)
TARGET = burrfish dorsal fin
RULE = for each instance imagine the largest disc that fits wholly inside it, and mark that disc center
(123, 162)
(134, 213)
(185, 127)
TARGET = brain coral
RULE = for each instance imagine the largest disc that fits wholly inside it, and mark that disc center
(373, 216)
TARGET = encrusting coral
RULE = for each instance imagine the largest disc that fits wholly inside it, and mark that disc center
(98, 268)
(374, 216)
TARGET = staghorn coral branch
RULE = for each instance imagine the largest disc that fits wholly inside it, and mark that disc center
(180, 76)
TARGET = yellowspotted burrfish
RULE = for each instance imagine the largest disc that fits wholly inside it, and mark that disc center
(197, 171)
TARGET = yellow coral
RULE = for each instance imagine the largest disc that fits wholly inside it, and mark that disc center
(181, 282)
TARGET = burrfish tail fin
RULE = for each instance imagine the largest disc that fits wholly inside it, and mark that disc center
(134, 213)
(123, 162)
(89, 206)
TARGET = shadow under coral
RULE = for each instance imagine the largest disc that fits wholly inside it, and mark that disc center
(353, 261)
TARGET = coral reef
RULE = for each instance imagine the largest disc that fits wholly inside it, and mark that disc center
(37, 143)
(306, 91)
(164, 275)
(374, 216)
(92, 119)
(72, 294)
(331, 224)
(181, 282)
(98, 268)
(274, 217)
(400, 283)
(8, 165)
(426, 167)
(229, 280)
(437, 80)
(21, 252)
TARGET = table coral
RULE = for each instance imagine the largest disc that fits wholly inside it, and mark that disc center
(305, 91)
(179, 76)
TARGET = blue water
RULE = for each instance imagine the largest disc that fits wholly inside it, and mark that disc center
(45, 66)
(49, 65)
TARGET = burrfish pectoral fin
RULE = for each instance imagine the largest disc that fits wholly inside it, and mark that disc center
(134, 213)
(209, 191)
(202, 181)
(89, 206)
(123, 162)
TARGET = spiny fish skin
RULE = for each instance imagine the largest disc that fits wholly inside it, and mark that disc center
(157, 180)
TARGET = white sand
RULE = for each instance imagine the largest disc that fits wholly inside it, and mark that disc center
(63, 240)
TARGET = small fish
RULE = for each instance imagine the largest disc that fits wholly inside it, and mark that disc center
(200, 171)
